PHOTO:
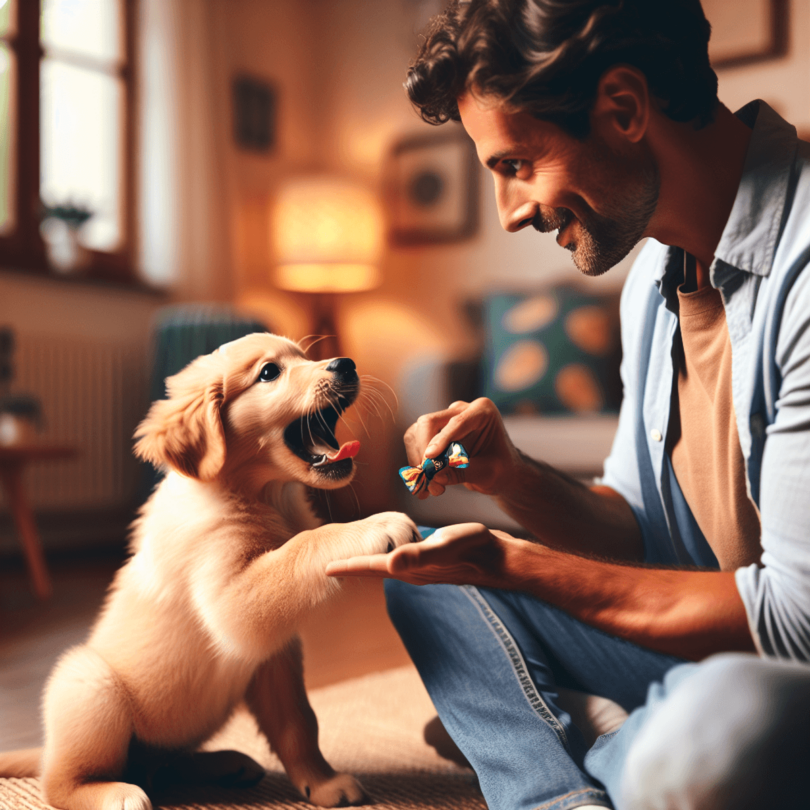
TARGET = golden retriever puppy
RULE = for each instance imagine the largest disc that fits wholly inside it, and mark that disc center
(227, 558)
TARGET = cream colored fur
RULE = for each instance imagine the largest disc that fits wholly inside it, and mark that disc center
(227, 558)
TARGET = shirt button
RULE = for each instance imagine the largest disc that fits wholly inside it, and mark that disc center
(655, 434)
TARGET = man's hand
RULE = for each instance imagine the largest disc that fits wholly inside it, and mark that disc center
(479, 427)
(465, 554)
(687, 613)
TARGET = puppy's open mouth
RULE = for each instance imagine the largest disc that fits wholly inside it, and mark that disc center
(312, 438)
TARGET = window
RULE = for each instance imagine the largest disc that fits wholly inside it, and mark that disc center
(66, 143)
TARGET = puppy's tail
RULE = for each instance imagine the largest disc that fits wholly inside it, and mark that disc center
(20, 763)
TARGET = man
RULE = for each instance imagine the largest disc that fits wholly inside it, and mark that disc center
(599, 118)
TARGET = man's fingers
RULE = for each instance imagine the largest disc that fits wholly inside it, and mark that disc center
(445, 556)
(426, 428)
(432, 433)
(423, 430)
(415, 440)
(446, 478)
(456, 429)
(370, 565)
(378, 565)
(432, 551)
(406, 558)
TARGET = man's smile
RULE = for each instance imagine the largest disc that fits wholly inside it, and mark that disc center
(567, 241)
(557, 220)
(561, 220)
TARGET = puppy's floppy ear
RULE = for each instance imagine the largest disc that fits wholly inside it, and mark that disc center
(185, 431)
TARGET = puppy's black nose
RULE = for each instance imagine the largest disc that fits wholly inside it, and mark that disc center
(343, 368)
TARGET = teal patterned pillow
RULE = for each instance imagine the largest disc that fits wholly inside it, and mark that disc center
(555, 351)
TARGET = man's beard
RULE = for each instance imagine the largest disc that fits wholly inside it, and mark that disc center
(605, 239)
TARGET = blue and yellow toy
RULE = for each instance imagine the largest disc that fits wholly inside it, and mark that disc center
(417, 478)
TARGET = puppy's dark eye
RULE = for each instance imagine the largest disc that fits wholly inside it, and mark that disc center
(269, 372)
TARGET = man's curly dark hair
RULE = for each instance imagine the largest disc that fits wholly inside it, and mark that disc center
(546, 57)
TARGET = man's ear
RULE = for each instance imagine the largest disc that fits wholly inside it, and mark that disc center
(621, 110)
(185, 431)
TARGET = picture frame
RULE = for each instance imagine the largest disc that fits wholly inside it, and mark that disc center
(432, 188)
(254, 114)
(747, 31)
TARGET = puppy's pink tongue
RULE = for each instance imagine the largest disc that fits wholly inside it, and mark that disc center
(348, 450)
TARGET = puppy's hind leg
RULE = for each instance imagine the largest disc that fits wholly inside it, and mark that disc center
(88, 728)
(22, 763)
(278, 699)
(223, 768)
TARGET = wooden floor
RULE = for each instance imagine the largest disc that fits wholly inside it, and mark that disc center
(351, 636)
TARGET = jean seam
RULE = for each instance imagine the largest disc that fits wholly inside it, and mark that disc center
(519, 668)
(554, 804)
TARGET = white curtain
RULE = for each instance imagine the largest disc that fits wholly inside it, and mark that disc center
(184, 128)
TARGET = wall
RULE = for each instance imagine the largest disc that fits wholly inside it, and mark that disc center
(784, 83)
(275, 42)
(52, 315)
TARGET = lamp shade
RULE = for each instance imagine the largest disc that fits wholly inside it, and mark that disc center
(327, 235)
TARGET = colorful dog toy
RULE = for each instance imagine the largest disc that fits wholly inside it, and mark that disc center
(417, 478)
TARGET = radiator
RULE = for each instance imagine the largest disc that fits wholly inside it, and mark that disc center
(93, 394)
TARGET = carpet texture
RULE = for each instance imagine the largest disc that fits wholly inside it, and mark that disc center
(370, 727)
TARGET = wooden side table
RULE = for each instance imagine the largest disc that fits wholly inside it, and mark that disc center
(13, 461)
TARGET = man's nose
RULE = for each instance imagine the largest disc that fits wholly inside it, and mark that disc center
(515, 218)
(516, 209)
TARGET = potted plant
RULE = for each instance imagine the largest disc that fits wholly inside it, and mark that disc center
(60, 225)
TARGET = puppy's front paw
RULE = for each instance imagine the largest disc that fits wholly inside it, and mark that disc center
(386, 531)
(341, 790)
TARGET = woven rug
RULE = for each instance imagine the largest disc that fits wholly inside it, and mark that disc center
(370, 727)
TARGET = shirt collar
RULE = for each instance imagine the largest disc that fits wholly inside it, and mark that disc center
(749, 240)
(752, 231)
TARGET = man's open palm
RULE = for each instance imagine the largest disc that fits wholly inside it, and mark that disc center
(464, 554)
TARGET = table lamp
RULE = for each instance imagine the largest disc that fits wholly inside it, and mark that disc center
(327, 235)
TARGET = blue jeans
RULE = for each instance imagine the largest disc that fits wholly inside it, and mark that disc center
(492, 661)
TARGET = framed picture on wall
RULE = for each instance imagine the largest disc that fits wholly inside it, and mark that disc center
(746, 31)
(254, 114)
(432, 188)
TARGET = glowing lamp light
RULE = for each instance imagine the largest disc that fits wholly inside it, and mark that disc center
(327, 234)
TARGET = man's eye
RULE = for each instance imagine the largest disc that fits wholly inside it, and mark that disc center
(514, 166)
(269, 372)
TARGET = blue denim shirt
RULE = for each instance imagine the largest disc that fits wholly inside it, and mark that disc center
(760, 269)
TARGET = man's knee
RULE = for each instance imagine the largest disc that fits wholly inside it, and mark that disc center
(418, 606)
(731, 735)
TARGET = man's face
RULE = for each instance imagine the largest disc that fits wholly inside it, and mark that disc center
(599, 199)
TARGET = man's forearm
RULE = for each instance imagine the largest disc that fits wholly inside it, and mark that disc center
(690, 614)
(565, 514)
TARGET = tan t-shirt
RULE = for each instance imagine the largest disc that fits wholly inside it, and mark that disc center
(703, 439)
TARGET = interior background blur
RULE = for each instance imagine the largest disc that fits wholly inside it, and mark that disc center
(196, 217)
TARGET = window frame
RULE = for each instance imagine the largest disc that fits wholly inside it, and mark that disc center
(23, 248)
